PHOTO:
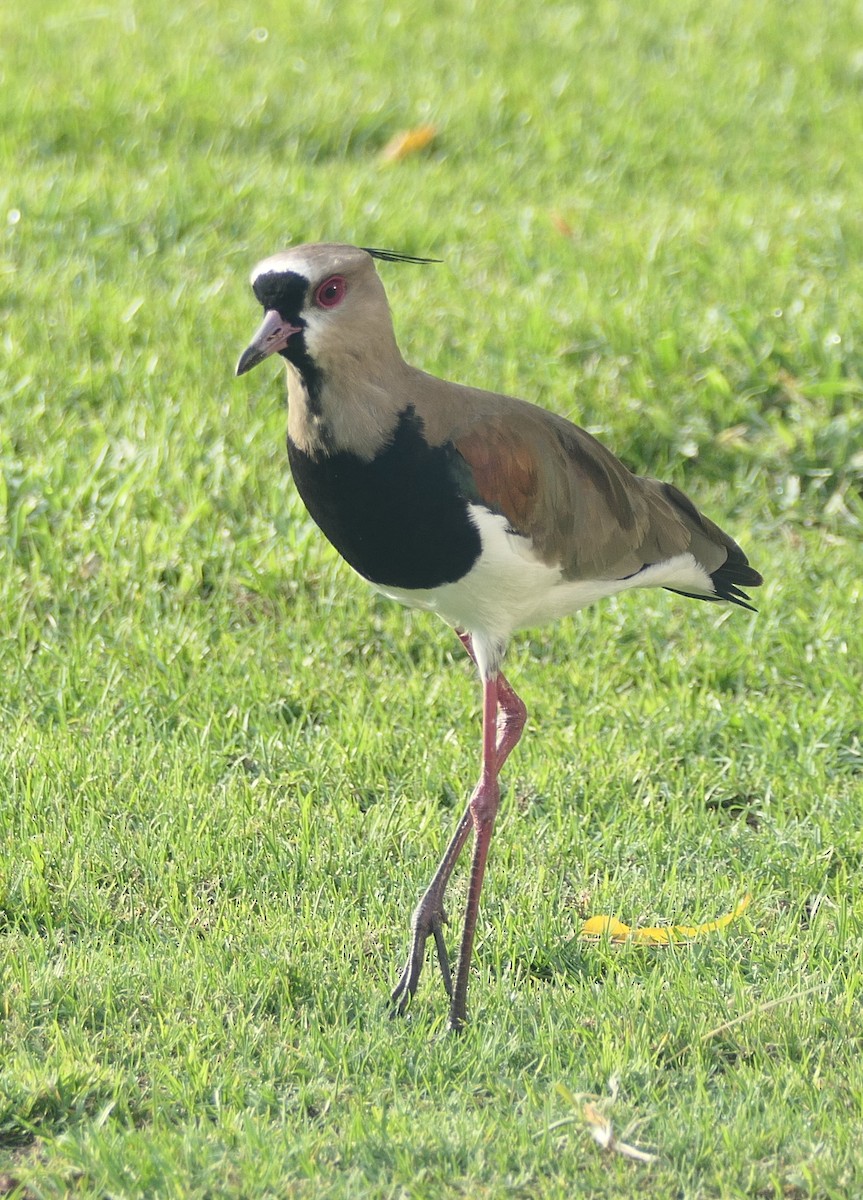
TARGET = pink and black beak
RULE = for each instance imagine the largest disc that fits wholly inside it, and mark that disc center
(272, 335)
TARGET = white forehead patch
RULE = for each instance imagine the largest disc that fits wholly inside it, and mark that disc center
(312, 261)
(285, 260)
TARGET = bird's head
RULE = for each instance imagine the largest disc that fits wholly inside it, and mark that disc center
(324, 306)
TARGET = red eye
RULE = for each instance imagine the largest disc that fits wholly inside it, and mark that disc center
(331, 292)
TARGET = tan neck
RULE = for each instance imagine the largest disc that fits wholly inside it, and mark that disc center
(357, 411)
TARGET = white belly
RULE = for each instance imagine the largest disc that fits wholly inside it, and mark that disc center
(509, 588)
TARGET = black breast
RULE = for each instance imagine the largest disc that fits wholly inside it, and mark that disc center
(400, 520)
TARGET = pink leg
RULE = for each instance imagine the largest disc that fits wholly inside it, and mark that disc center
(504, 716)
(483, 808)
(512, 714)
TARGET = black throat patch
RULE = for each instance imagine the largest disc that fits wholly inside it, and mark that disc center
(400, 520)
(285, 292)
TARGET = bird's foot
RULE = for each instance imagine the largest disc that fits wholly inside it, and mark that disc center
(428, 921)
(455, 1022)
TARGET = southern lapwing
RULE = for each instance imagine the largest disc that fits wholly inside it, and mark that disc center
(489, 511)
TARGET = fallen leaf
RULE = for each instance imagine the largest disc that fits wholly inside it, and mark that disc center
(602, 1132)
(600, 1126)
(409, 141)
(561, 224)
(595, 928)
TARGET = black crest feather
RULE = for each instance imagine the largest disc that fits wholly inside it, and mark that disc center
(394, 256)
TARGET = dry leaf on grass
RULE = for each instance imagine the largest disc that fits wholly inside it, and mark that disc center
(603, 1134)
(599, 1125)
(596, 928)
(408, 141)
(561, 224)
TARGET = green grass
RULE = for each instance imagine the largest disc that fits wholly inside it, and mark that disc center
(227, 768)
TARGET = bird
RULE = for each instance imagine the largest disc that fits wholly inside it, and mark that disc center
(490, 511)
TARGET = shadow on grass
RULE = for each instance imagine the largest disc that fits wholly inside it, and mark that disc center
(564, 963)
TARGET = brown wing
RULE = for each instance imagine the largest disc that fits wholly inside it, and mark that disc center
(504, 472)
(580, 506)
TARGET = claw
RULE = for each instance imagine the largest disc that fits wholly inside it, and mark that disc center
(424, 925)
(443, 957)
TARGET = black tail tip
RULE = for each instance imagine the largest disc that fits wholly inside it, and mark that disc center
(728, 584)
(733, 576)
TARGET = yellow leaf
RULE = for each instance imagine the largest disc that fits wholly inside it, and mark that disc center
(409, 141)
(596, 927)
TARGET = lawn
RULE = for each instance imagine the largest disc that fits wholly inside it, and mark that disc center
(227, 768)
